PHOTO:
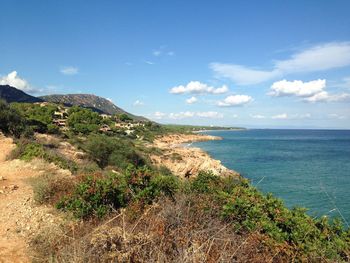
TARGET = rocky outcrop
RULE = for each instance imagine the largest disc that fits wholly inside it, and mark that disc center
(186, 161)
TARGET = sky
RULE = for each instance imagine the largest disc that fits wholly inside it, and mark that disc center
(256, 64)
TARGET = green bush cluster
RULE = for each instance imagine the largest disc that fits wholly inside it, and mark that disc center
(27, 150)
(37, 118)
(105, 150)
(250, 210)
(98, 195)
(11, 121)
(84, 121)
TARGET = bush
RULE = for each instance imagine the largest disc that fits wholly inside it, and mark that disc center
(11, 122)
(97, 195)
(32, 150)
(53, 129)
(81, 120)
(27, 150)
(48, 188)
(106, 150)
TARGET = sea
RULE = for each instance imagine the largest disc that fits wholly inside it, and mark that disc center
(304, 168)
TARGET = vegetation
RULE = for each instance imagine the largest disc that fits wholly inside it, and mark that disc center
(207, 218)
(11, 121)
(231, 206)
(124, 117)
(81, 120)
(98, 195)
(28, 150)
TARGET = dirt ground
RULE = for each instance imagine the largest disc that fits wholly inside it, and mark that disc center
(20, 218)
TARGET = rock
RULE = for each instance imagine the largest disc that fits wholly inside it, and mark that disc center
(2, 178)
(13, 187)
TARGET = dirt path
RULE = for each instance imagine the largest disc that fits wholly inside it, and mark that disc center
(19, 217)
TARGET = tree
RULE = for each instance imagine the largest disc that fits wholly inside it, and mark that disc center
(82, 120)
(11, 121)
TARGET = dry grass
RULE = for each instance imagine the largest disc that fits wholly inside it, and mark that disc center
(50, 187)
(167, 231)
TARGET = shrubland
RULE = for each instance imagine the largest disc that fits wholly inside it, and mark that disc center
(121, 208)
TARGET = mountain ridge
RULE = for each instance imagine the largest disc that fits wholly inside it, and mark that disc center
(11, 94)
(91, 101)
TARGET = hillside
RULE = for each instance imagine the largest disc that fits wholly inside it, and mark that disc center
(91, 101)
(11, 94)
(96, 103)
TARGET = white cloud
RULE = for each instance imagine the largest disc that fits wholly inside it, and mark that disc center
(162, 51)
(312, 91)
(138, 103)
(188, 114)
(181, 115)
(282, 116)
(235, 100)
(336, 116)
(191, 100)
(69, 70)
(157, 53)
(149, 62)
(158, 115)
(317, 58)
(12, 79)
(210, 114)
(242, 75)
(196, 87)
(257, 116)
(285, 116)
(297, 88)
(324, 96)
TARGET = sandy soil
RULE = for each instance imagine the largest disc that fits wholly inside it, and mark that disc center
(20, 219)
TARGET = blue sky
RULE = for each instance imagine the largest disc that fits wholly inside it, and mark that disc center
(267, 64)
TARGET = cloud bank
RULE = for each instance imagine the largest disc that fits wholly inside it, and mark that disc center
(317, 58)
(312, 91)
(12, 79)
(235, 100)
(191, 100)
(196, 87)
(188, 114)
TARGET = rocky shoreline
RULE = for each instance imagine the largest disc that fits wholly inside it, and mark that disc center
(188, 161)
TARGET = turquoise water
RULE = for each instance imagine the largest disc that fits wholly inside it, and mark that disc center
(309, 168)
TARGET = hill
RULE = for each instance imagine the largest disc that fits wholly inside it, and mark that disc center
(96, 103)
(91, 101)
(11, 94)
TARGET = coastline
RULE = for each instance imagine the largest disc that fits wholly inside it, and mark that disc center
(185, 161)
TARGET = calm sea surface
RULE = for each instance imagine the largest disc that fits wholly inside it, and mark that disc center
(309, 168)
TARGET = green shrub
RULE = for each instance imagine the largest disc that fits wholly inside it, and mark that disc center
(81, 120)
(113, 151)
(32, 150)
(98, 195)
(27, 150)
(11, 121)
(205, 182)
(95, 196)
(53, 129)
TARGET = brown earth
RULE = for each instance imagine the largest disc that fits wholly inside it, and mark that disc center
(20, 218)
(186, 161)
